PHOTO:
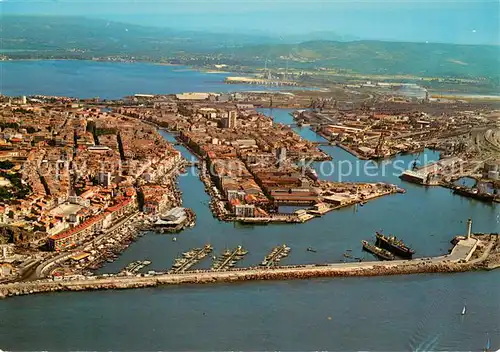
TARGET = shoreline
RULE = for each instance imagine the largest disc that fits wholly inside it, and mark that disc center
(490, 96)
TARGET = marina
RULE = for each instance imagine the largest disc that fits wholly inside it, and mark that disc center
(275, 256)
(476, 252)
(134, 267)
(228, 258)
(190, 258)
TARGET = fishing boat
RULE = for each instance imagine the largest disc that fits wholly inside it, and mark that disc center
(241, 251)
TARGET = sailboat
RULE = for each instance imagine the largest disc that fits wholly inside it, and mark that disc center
(488, 345)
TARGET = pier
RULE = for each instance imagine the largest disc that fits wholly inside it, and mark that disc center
(134, 267)
(190, 258)
(273, 258)
(229, 258)
(476, 252)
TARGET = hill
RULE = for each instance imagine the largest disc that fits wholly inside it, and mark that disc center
(378, 57)
(82, 38)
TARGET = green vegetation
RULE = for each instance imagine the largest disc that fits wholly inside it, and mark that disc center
(6, 164)
(16, 190)
(4, 125)
(383, 58)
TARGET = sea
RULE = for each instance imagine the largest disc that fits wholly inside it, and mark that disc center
(395, 313)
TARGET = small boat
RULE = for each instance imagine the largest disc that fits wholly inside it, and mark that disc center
(464, 310)
(362, 204)
(488, 345)
(347, 255)
(174, 239)
(310, 249)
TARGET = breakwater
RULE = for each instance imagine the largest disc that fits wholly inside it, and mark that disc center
(485, 256)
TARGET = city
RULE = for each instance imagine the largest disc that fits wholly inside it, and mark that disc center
(82, 179)
(254, 176)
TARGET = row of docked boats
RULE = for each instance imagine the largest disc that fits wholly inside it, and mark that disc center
(276, 254)
(191, 257)
(388, 248)
(134, 267)
(228, 258)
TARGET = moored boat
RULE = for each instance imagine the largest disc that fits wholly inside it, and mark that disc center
(379, 252)
(394, 245)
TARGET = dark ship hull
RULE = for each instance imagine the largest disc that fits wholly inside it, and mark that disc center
(394, 245)
(379, 252)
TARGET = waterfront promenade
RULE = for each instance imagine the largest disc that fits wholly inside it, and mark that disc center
(480, 252)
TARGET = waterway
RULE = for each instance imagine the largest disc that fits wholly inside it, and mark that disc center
(420, 312)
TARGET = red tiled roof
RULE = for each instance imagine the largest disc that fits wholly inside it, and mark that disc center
(77, 229)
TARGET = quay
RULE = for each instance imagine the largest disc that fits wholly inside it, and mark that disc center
(477, 252)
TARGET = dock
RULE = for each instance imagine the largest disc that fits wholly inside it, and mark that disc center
(134, 267)
(229, 258)
(190, 258)
(276, 254)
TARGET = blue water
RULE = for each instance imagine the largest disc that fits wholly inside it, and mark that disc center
(419, 312)
(108, 80)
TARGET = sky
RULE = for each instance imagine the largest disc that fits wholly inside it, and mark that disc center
(445, 21)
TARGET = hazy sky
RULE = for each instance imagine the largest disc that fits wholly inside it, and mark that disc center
(466, 21)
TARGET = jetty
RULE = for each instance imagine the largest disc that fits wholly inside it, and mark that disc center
(190, 258)
(473, 252)
(134, 267)
(229, 258)
(276, 254)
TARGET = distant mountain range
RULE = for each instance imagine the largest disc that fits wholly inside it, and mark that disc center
(378, 57)
(84, 38)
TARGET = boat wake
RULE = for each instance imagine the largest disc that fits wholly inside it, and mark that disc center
(429, 344)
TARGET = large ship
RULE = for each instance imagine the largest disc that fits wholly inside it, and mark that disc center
(379, 252)
(474, 193)
(394, 245)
